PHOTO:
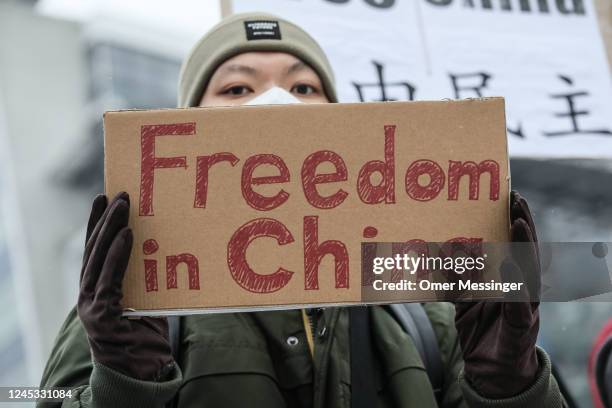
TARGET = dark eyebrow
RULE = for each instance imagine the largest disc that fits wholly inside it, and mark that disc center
(244, 69)
(298, 66)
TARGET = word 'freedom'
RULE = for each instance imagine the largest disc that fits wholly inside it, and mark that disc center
(368, 193)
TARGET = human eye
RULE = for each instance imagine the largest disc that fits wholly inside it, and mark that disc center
(304, 89)
(237, 90)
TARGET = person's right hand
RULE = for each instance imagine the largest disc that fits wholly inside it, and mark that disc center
(138, 348)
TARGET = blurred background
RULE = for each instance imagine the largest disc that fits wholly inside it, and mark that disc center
(63, 63)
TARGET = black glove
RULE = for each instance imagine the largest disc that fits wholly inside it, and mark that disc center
(498, 340)
(138, 348)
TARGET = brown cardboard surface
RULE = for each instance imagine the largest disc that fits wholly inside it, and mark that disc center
(185, 232)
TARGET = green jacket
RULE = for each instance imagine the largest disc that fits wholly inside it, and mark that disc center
(263, 359)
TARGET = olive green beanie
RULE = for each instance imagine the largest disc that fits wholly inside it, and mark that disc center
(247, 32)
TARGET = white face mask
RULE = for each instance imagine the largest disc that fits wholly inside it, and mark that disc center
(274, 96)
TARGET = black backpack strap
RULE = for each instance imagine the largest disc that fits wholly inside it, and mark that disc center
(174, 337)
(415, 322)
(363, 390)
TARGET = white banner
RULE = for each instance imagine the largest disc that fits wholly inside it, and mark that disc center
(546, 57)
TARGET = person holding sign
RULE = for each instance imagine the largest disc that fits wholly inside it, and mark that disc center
(292, 358)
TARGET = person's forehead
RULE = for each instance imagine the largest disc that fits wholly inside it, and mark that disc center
(255, 60)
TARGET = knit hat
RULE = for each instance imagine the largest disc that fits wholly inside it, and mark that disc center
(247, 32)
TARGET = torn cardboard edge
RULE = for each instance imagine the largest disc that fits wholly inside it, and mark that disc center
(316, 104)
(248, 309)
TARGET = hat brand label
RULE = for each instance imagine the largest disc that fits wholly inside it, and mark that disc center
(262, 30)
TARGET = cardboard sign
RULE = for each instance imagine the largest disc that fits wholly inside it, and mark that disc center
(250, 207)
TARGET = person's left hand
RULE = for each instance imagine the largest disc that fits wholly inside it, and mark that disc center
(498, 339)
